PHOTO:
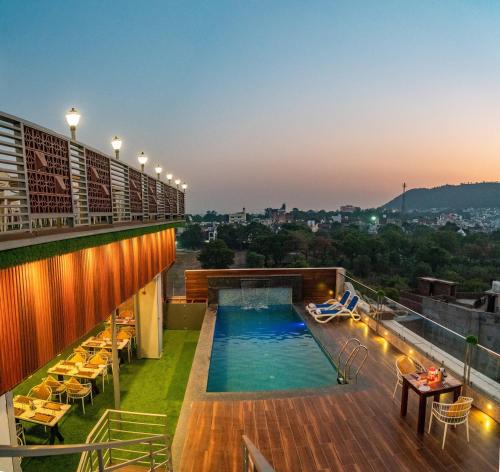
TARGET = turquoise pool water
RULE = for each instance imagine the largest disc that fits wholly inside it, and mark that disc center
(265, 349)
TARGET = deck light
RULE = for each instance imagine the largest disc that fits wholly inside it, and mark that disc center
(142, 158)
(169, 178)
(158, 170)
(73, 118)
(177, 182)
(116, 143)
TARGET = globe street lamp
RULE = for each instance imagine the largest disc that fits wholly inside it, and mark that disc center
(169, 178)
(177, 182)
(116, 143)
(142, 158)
(184, 187)
(158, 170)
(73, 118)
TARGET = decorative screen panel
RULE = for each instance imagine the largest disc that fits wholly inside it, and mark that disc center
(152, 196)
(135, 190)
(47, 162)
(99, 182)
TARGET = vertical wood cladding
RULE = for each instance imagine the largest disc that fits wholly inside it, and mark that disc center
(49, 304)
(47, 160)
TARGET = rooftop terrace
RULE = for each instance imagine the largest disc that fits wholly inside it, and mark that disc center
(351, 428)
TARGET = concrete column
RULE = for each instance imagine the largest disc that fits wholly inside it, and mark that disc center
(8, 433)
(339, 281)
(149, 320)
(115, 363)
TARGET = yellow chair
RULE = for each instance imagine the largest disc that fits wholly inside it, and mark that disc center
(78, 391)
(77, 358)
(405, 365)
(452, 414)
(57, 387)
(106, 334)
(98, 360)
(41, 392)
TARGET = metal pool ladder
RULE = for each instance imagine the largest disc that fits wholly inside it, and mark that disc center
(352, 348)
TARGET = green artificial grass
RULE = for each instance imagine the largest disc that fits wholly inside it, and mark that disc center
(146, 385)
(22, 255)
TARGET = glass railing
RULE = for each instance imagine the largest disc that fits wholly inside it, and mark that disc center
(434, 340)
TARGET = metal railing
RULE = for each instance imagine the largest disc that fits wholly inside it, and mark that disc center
(115, 427)
(253, 459)
(434, 340)
(106, 449)
(48, 181)
(344, 373)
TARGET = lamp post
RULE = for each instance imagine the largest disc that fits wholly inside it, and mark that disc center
(158, 170)
(142, 158)
(116, 143)
(184, 187)
(73, 118)
(177, 182)
(169, 178)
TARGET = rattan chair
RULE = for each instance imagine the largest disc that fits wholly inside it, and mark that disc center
(58, 388)
(78, 391)
(21, 439)
(102, 362)
(41, 392)
(452, 414)
(405, 365)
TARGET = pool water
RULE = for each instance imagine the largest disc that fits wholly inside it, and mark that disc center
(265, 349)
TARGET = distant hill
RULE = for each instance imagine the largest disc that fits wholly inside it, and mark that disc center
(453, 197)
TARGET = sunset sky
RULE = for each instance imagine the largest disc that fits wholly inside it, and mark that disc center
(256, 103)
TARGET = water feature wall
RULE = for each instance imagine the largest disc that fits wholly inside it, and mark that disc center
(255, 297)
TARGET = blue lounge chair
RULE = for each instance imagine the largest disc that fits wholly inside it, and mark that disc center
(332, 303)
(326, 315)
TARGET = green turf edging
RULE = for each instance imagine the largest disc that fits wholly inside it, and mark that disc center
(22, 255)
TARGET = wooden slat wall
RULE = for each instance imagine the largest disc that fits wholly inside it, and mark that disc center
(49, 304)
(317, 282)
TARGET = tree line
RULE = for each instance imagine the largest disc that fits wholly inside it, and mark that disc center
(392, 259)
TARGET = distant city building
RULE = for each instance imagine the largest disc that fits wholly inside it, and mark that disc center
(278, 216)
(349, 208)
(239, 217)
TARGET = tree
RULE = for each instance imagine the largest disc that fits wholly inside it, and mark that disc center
(255, 259)
(191, 237)
(216, 255)
(233, 235)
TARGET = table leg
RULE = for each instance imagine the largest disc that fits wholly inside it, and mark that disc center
(404, 398)
(456, 393)
(95, 388)
(422, 405)
(437, 396)
(55, 433)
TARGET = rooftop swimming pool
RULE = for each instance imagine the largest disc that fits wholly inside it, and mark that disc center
(268, 348)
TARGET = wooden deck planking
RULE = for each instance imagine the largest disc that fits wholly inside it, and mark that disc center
(354, 431)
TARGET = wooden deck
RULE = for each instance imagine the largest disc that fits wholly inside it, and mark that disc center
(356, 431)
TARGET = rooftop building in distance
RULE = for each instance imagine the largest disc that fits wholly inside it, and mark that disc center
(238, 217)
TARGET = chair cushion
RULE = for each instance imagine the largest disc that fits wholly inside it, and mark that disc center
(97, 360)
(41, 391)
(123, 335)
(456, 409)
(406, 366)
(77, 358)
